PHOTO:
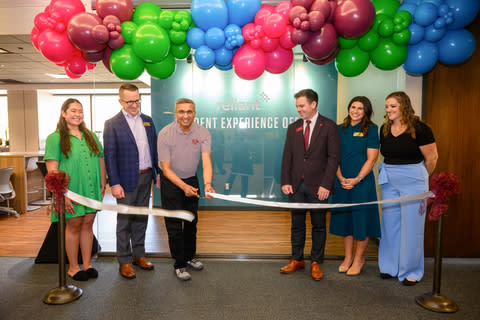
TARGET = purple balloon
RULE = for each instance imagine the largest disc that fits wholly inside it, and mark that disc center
(353, 18)
(295, 12)
(299, 36)
(93, 56)
(303, 3)
(322, 43)
(323, 6)
(100, 33)
(80, 32)
(116, 43)
(111, 19)
(317, 20)
(123, 9)
(106, 58)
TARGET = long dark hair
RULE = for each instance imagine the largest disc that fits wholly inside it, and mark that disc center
(367, 108)
(62, 128)
(408, 114)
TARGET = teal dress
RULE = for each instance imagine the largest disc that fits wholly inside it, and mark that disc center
(82, 166)
(359, 221)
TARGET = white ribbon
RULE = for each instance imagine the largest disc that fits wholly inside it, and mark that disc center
(296, 205)
(124, 209)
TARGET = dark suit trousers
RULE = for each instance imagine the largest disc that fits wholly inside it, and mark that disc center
(318, 220)
(131, 228)
(182, 235)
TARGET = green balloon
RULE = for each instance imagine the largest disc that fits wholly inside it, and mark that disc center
(166, 19)
(162, 69)
(369, 40)
(151, 42)
(401, 37)
(379, 18)
(128, 30)
(126, 64)
(183, 17)
(180, 51)
(146, 12)
(177, 37)
(388, 55)
(403, 16)
(388, 7)
(347, 43)
(351, 62)
(386, 28)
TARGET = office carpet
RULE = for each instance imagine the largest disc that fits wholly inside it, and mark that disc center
(234, 290)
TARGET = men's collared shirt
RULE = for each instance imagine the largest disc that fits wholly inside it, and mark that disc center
(312, 125)
(138, 129)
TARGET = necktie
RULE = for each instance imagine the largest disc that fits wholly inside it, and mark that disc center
(306, 135)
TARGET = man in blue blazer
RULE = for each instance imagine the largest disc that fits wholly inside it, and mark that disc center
(130, 150)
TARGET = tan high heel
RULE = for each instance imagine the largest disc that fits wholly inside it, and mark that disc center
(355, 272)
(344, 268)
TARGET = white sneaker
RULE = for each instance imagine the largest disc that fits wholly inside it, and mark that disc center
(195, 264)
(182, 274)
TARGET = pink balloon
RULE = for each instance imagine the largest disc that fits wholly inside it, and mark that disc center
(269, 44)
(100, 33)
(263, 13)
(327, 59)
(278, 61)
(317, 20)
(123, 9)
(34, 37)
(323, 6)
(275, 25)
(256, 43)
(299, 36)
(41, 21)
(116, 43)
(71, 75)
(55, 46)
(93, 56)
(248, 31)
(80, 32)
(286, 38)
(106, 58)
(64, 10)
(321, 43)
(283, 8)
(353, 18)
(77, 65)
(295, 12)
(248, 63)
(90, 66)
(304, 3)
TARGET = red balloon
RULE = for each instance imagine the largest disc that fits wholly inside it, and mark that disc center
(275, 25)
(248, 63)
(321, 44)
(55, 46)
(263, 13)
(90, 66)
(123, 9)
(278, 61)
(327, 59)
(72, 75)
(353, 18)
(286, 38)
(80, 32)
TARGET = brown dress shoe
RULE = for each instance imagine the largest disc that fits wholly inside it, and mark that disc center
(317, 273)
(126, 271)
(143, 263)
(292, 266)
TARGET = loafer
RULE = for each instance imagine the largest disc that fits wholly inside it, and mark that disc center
(315, 271)
(409, 283)
(385, 276)
(126, 271)
(143, 263)
(292, 266)
(92, 273)
(80, 276)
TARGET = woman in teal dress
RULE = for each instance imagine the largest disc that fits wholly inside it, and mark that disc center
(355, 183)
(74, 149)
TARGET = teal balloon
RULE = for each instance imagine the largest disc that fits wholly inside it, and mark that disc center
(128, 30)
(180, 51)
(401, 37)
(151, 42)
(146, 12)
(347, 43)
(351, 62)
(126, 64)
(369, 40)
(388, 55)
(387, 7)
(386, 28)
(162, 69)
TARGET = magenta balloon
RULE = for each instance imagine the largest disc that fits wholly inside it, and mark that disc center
(34, 37)
(90, 66)
(283, 8)
(248, 63)
(256, 43)
(100, 33)
(323, 6)
(41, 21)
(299, 36)
(248, 31)
(116, 43)
(263, 13)
(269, 44)
(106, 58)
(275, 25)
(317, 20)
(65, 10)
(278, 61)
(93, 56)
(71, 75)
(77, 65)
(55, 46)
(123, 9)
(353, 18)
(303, 3)
(327, 59)
(286, 38)
(320, 44)
(80, 32)
(295, 12)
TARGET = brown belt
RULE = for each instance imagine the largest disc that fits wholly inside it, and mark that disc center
(145, 170)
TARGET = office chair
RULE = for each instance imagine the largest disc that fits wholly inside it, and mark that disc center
(6, 191)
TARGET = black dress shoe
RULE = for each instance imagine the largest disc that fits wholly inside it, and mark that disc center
(92, 273)
(409, 283)
(385, 276)
(80, 276)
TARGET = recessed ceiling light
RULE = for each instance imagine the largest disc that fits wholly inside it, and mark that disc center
(57, 76)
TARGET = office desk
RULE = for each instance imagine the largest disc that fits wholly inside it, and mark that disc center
(21, 183)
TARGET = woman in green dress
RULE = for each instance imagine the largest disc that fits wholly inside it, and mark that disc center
(74, 149)
(355, 183)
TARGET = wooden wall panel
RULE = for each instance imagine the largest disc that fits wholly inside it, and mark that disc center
(453, 98)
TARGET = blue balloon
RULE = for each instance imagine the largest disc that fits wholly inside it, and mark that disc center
(425, 14)
(224, 68)
(415, 2)
(205, 57)
(195, 38)
(223, 56)
(234, 37)
(215, 38)
(408, 7)
(417, 33)
(209, 14)
(456, 46)
(241, 12)
(421, 58)
(433, 34)
(435, 2)
(464, 12)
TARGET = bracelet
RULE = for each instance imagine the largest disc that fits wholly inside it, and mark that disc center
(207, 183)
(360, 178)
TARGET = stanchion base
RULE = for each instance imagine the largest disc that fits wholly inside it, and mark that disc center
(62, 295)
(437, 303)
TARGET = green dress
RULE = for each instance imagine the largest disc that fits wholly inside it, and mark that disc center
(82, 166)
(359, 221)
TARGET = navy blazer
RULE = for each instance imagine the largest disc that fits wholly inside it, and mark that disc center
(121, 152)
(319, 163)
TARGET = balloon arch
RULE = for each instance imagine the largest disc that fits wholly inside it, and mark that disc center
(252, 38)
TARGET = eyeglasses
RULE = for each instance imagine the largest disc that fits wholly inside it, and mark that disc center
(182, 112)
(132, 102)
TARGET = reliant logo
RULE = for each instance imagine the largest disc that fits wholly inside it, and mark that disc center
(238, 105)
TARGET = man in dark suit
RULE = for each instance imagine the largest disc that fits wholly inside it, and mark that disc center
(130, 150)
(310, 160)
